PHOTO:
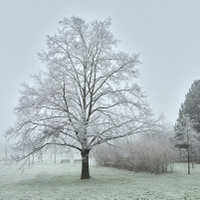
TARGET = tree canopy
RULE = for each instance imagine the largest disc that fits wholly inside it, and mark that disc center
(187, 128)
(191, 106)
(86, 95)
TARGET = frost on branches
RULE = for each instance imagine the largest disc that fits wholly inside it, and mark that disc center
(187, 138)
(87, 95)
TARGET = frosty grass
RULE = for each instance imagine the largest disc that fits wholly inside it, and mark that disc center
(62, 181)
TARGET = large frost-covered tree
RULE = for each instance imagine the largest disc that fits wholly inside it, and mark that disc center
(87, 95)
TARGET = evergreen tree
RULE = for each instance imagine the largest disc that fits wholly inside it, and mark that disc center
(186, 138)
(185, 133)
(189, 117)
(191, 105)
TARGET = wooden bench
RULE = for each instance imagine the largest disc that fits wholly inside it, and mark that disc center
(77, 160)
(65, 161)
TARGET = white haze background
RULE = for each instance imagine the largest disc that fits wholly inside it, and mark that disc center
(166, 33)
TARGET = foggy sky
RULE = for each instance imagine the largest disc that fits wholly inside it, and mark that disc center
(166, 33)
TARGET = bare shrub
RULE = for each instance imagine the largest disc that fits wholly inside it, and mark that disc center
(142, 154)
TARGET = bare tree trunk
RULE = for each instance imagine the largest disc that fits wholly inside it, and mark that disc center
(192, 163)
(33, 160)
(6, 149)
(55, 152)
(192, 158)
(188, 160)
(29, 161)
(85, 164)
(188, 153)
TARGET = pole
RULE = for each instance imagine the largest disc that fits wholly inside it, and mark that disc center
(188, 145)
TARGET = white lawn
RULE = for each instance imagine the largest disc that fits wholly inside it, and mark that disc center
(62, 181)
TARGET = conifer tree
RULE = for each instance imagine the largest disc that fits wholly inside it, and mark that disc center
(189, 113)
(191, 105)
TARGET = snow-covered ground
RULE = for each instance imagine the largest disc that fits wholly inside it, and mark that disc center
(62, 181)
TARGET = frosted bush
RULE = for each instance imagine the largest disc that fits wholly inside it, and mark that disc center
(150, 154)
